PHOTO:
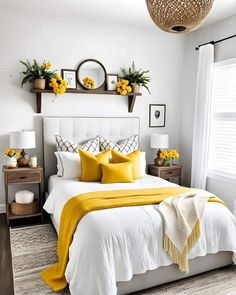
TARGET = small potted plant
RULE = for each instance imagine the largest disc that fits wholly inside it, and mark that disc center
(136, 78)
(37, 73)
(11, 160)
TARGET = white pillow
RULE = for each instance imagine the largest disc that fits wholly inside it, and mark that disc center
(68, 165)
(143, 163)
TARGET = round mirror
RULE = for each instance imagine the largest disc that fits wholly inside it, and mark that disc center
(91, 74)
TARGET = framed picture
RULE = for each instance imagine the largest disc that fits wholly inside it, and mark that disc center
(70, 77)
(112, 79)
(157, 115)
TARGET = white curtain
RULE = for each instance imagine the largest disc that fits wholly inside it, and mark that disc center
(202, 116)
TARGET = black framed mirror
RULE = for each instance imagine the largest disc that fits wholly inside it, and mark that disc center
(91, 74)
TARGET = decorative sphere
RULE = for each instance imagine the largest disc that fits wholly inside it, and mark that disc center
(178, 16)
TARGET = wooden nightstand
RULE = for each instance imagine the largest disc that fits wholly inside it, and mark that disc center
(166, 172)
(23, 176)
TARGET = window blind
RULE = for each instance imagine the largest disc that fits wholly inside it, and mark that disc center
(222, 146)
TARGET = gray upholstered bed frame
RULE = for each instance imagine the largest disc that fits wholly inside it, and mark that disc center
(116, 128)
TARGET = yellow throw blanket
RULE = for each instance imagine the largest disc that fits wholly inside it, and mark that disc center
(82, 204)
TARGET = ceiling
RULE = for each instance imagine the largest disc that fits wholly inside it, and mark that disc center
(130, 12)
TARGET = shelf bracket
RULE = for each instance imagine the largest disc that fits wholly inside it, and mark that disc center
(132, 99)
(38, 101)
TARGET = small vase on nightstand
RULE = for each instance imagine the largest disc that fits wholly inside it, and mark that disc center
(11, 162)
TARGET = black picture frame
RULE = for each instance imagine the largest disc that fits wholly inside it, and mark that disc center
(161, 119)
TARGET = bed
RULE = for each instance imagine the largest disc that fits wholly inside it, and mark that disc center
(119, 251)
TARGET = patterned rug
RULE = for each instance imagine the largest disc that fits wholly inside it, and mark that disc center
(33, 248)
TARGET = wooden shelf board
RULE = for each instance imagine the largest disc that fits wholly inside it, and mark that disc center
(84, 91)
(131, 96)
(13, 216)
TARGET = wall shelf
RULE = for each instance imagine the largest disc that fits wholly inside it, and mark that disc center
(131, 96)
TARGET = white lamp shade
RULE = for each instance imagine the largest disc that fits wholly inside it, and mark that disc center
(22, 140)
(159, 141)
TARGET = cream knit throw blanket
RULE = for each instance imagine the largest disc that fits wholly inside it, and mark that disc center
(182, 229)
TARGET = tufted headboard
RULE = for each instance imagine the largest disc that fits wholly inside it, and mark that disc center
(80, 129)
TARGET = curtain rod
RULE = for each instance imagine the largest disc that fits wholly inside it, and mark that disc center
(215, 42)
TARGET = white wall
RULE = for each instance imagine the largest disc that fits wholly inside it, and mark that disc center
(224, 50)
(39, 31)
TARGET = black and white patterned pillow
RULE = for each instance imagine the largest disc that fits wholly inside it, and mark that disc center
(125, 146)
(64, 145)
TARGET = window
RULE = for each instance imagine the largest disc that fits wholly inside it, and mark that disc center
(222, 148)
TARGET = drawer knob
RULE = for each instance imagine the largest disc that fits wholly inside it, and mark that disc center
(23, 177)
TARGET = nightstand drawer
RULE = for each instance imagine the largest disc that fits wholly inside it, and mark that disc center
(170, 173)
(24, 177)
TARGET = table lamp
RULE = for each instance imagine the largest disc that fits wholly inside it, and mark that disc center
(159, 141)
(22, 140)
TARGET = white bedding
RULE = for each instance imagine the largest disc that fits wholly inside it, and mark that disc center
(112, 245)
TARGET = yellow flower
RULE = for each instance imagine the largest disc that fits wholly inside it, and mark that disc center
(124, 87)
(123, 92)
(48, 66)
(64, 82)
(59, 78)
(118, 84)
(119, 90)
(126, 82)
(11, 153)
(18, 154)
(129, 89)
(93, 86)
(6, 152)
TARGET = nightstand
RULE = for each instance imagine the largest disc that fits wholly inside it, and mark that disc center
(23, 176)
(166, 172)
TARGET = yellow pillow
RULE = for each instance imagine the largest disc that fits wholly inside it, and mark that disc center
(112, 173)
(91, 165)
(133, 157)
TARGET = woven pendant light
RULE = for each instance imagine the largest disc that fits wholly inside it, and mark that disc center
(177, 16)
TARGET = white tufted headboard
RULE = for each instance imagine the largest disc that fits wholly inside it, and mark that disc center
(83, 128)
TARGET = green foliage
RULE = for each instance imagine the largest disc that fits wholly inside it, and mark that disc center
(136, 76)
(35, 71)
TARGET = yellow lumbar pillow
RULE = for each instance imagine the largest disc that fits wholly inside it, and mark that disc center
(133, 157)
(121, 172)
(91, 165)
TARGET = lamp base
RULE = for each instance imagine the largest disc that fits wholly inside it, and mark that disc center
(158, 161)
(23, 161)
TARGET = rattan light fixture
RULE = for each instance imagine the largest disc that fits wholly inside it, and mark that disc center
(178, 16)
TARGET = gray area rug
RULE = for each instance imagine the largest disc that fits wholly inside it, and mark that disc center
(33, 248)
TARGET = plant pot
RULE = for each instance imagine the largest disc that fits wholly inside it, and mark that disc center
(11, 162)
(136, 88)
(39, 83)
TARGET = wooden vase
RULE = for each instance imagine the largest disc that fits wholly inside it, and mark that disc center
(39, 83)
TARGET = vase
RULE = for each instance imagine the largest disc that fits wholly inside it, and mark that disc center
(168, 162)
(39, 83)
(11, 162)
(136, 88)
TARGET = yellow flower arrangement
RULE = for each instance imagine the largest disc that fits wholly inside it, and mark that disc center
(89, 83)
(168, 156)
(11, 153)
(58, 84)
(123, 87)
(173, 154)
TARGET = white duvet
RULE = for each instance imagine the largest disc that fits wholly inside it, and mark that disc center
(112, 245)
